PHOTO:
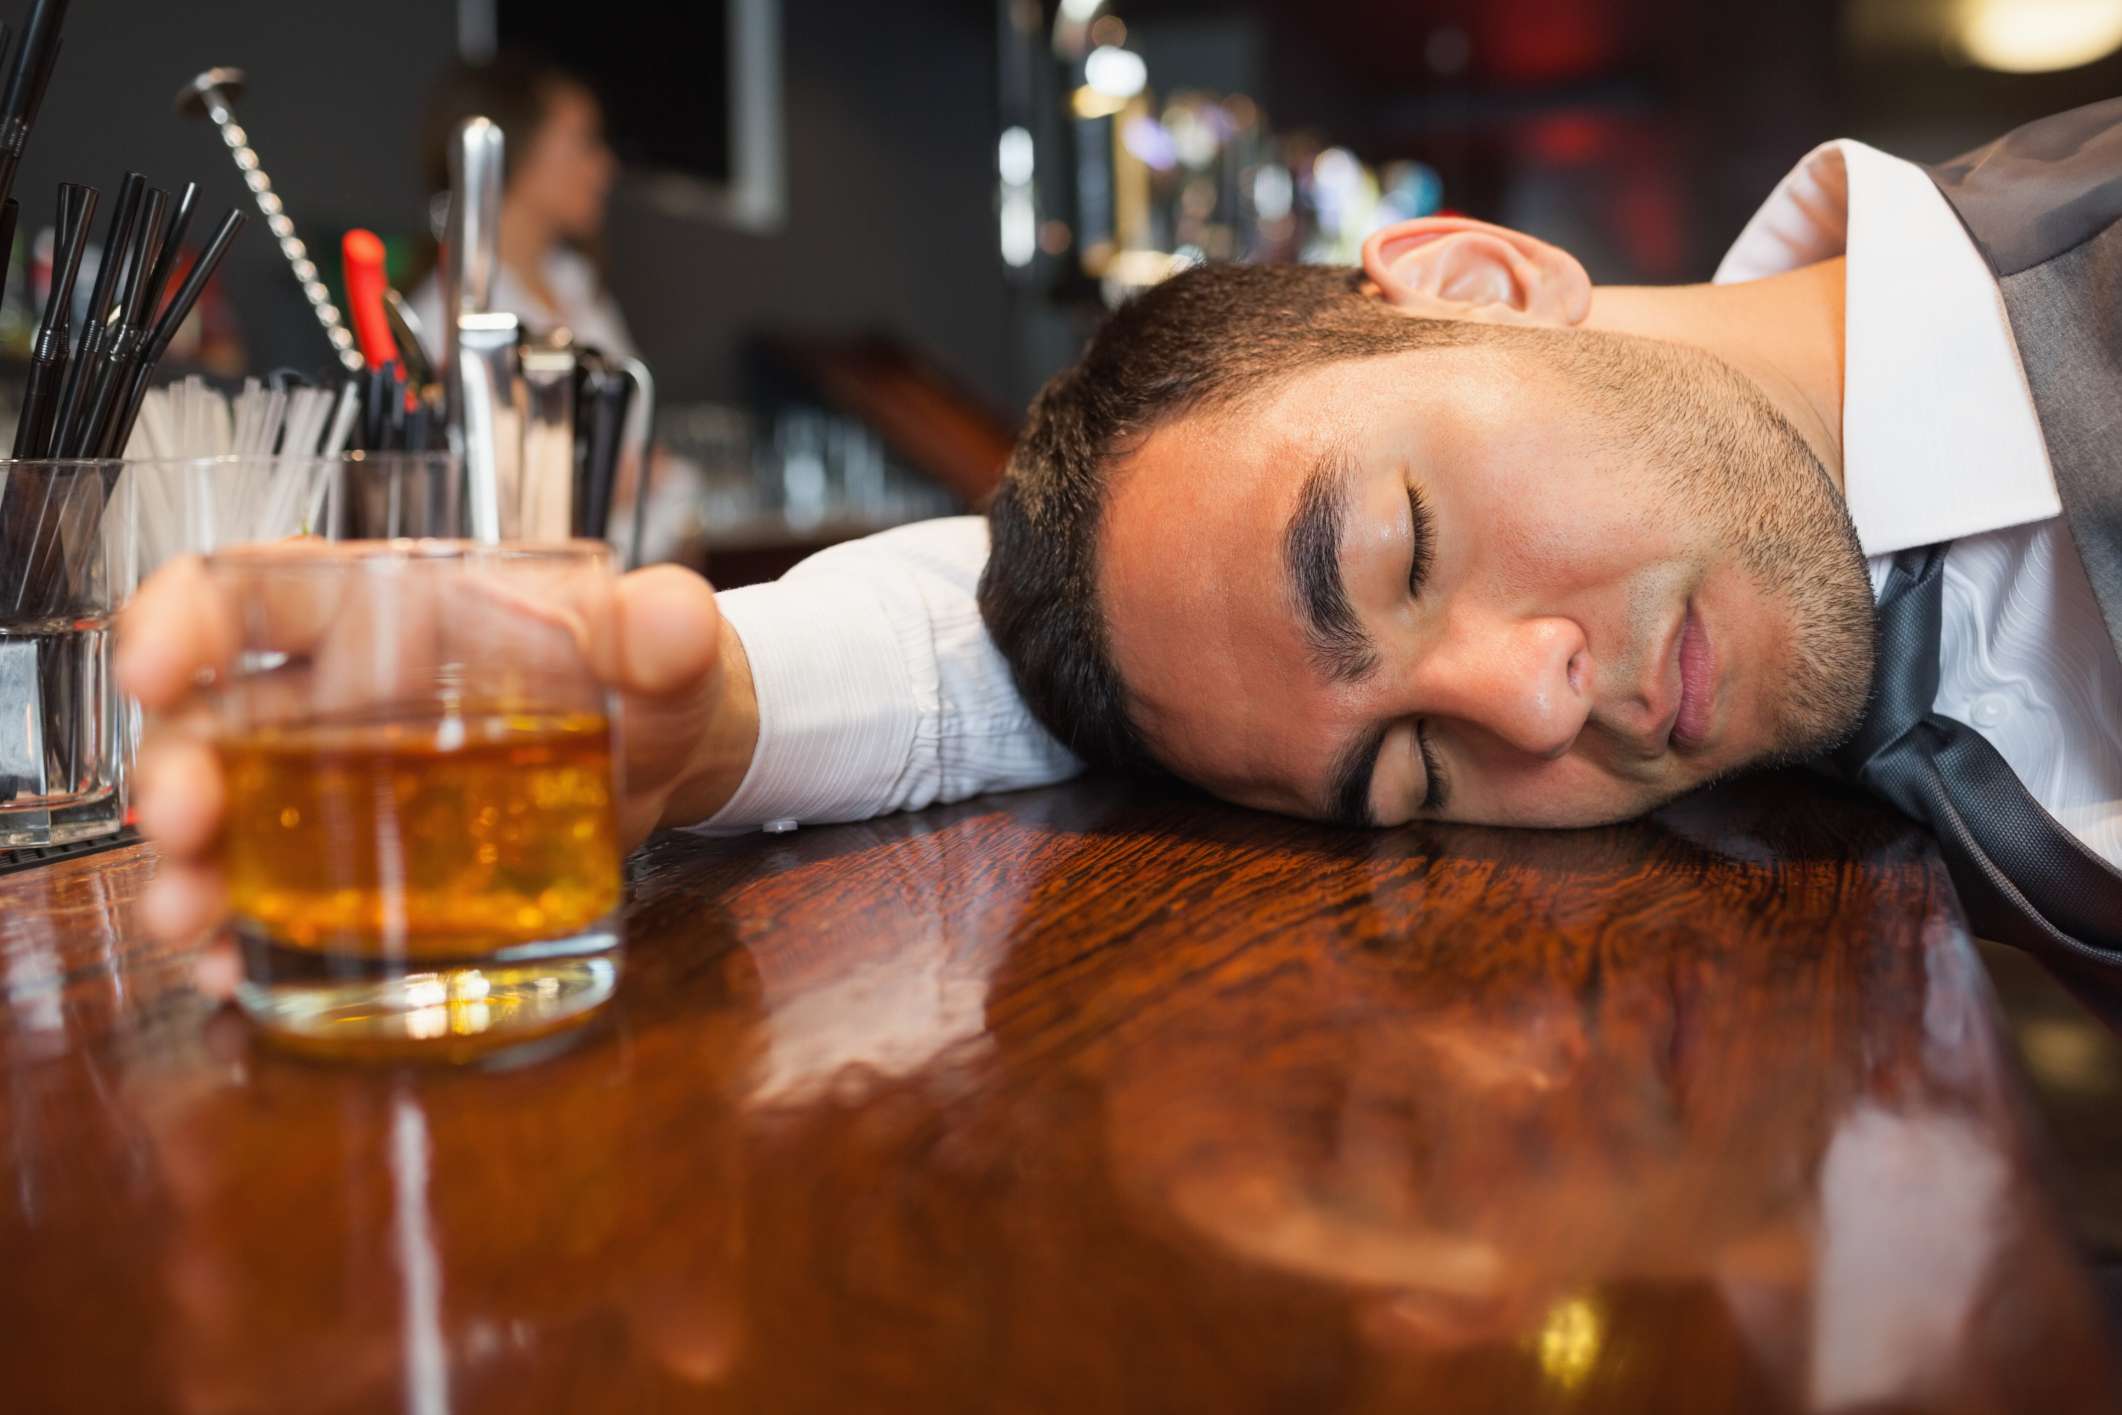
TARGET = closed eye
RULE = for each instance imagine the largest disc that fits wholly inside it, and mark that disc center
(1439, 791)
(1422, 540)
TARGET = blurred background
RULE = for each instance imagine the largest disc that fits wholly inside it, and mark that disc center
(851, 240)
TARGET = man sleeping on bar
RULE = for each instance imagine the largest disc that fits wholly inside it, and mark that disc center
(1461, 536)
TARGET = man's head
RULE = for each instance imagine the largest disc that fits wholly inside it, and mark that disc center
(1410, 541)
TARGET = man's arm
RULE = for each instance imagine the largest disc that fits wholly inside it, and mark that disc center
(861, 683)
(870, 686)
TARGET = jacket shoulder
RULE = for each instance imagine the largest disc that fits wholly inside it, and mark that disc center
(2041, 189)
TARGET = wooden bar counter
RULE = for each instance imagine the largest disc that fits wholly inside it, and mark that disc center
(1084, 1100)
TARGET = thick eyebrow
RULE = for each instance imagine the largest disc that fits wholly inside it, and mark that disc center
(1311, 553)
(1349, 782)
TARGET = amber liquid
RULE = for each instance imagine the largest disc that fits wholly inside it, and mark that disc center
(428, 838)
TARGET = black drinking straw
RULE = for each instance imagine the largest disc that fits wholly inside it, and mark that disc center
(24, 490)
(74, 394)
(124, 339)
(166, 259)
(90, 340)
(49, 350)
(171, 320)
(134, 298)
(131, 384)
(26, 83)
(194, 284)
(10, 212)
(28, 77)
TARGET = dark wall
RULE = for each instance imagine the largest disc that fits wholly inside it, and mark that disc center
(891, 172)
(332, 109)
(889, 147)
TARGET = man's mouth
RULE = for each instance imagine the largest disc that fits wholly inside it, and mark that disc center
(1698, 684)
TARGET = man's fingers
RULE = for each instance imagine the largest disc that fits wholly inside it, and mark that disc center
(178, 624)
(281, 597)
(183, 901)
(218, 970)
(178, 792)
(669, 632)
(664, 638)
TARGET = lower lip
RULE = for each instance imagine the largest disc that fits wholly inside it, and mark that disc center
(1697, 684)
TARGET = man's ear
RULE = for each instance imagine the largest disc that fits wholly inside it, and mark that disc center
(1447, 267)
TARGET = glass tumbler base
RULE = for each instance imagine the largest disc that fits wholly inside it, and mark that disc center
(350, 1008)
(45, 824)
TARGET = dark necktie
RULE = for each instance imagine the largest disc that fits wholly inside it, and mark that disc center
(2022, 877)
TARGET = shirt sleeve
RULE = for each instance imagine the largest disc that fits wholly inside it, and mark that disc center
(879, 689)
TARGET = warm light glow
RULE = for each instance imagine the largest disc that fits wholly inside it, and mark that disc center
(1013, 156)
(441, 1003)
(1569, 1341)
(1087, 102)
(1116, 73)
(425, 990)
(2068, 1054)
(2036, 36)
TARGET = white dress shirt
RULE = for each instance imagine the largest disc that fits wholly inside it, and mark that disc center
(879, 690)
(1940, 442)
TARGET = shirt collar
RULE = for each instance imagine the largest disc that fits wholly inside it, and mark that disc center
(1939, 435)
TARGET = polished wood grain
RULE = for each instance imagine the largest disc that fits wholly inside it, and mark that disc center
(1084, 1101)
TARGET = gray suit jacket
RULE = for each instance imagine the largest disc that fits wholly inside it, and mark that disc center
(2044, 205)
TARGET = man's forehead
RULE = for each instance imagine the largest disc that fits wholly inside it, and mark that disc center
(1257, 447)
(1301, 413)
(1309, 405)
(1195, 588)
(1191, 513)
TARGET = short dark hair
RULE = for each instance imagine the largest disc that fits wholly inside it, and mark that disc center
(1203, 340)
(515, 88)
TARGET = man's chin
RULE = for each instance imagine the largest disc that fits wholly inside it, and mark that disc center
(1812, 743)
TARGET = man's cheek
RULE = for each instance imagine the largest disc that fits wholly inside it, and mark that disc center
(1562, 794)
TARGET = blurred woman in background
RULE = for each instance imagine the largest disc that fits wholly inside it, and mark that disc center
(558, 176)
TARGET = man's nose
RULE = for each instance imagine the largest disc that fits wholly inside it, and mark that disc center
(1525, 682)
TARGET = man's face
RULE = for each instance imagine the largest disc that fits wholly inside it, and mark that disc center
(1548, 579)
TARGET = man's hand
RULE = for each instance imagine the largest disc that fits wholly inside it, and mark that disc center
(689, 720)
